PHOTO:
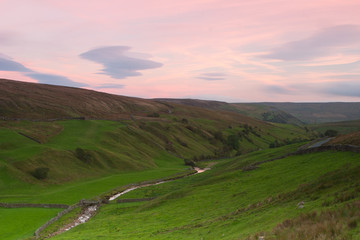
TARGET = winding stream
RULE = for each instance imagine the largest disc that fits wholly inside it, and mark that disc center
(89, 211)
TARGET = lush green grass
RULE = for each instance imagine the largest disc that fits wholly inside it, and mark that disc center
(120, 153)
(70, 193)
(119, 146)
(227, 204)
(20, 223)
(25, 220)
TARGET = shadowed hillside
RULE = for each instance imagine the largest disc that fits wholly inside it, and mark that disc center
(258, 111)
(320, 112)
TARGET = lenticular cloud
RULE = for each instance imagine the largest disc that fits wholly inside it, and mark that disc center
(118, 62)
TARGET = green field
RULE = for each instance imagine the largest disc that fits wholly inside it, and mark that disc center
(114, 154)
(226, 203)
(21, 223)
(117, 153)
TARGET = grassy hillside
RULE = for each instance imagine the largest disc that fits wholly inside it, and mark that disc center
(227, 203)
(118, 140)
(77, 149)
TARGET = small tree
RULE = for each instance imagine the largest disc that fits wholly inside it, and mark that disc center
(83, 155)
(154, 114)
(40, 172)
(219, 136)
(233, 142)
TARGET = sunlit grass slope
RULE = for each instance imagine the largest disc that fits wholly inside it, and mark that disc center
(112, 147)
(116, 154)
(227, 203)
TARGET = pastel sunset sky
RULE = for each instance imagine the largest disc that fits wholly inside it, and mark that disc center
(235, 51)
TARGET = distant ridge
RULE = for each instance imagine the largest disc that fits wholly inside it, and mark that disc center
(258, 111)
(34, 101)
(320, 112)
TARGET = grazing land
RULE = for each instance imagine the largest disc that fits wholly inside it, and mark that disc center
(59, 145)
(227, 203)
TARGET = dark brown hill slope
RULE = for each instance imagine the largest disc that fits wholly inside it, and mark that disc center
(350, 139)
(23, 100)
(41, 101)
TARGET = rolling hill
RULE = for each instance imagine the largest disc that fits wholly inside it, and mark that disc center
(59, 145)
(77, 133)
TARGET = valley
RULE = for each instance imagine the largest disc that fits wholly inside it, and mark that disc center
(63, 145)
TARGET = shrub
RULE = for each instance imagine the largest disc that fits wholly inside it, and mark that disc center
(233, 142)
(169, 147)
(189, 162)
(154, 114)
(40, 173)
(191, 128)
(219, 136)
(83, 155)
(185, 121)
(331, 133)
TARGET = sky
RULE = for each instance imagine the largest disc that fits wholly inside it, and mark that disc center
(226, 50)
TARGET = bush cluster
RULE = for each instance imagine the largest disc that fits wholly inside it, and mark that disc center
(40, 172)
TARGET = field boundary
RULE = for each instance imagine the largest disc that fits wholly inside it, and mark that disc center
(33, 205)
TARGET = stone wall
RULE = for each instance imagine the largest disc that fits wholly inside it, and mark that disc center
(32, 205)
(81, 203)
(54, 219)
(134, 200)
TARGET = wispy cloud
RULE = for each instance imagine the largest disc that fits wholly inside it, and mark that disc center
(212, 76)
(55, 80)
(6, 64)
(110, 85)
(343, 88)
(346, 76)
(277, 89)
(10, 65)
(320, 44)
(118, 62)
